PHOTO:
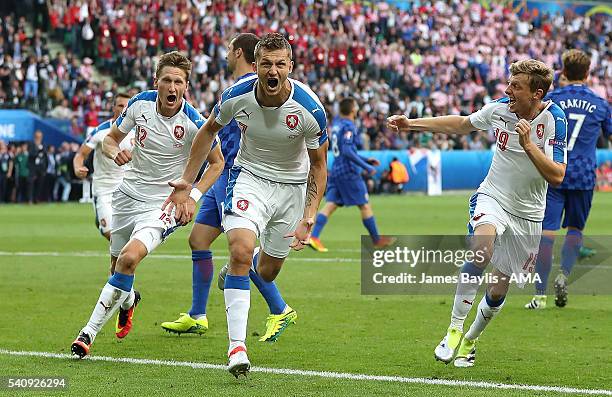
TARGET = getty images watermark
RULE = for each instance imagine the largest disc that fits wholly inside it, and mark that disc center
(432, 264)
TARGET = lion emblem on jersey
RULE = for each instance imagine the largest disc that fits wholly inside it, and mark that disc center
(292, 121)
(540, 131)
(179, 132)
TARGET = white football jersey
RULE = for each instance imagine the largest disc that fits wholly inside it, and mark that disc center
(274, 140)
(513, 180)
(161, 145)
(107, 175)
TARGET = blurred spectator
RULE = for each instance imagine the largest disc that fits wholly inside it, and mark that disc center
(22, 175)
(51, 174)
(394, 178)
(63, 161)
(604, 177)
(62, 111)
(6, 170)
(37, 163)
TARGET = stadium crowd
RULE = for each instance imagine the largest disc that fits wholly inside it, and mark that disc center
(440, 57)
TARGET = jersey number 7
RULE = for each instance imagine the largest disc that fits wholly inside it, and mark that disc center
(579, 120)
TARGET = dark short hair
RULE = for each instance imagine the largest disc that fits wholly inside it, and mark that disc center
(246, 42)
(174, 59)
(120, 95)
(347, 105)
(576, 64)
(271, 42)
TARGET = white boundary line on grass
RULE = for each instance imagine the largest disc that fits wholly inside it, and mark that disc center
(98, 254)
(324, 374)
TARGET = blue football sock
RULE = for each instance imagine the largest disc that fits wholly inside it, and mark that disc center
(122, 281)
(370, 224)
(570, 251)
(201, 278)
(270, 293)
(544, 263)
(493, 303)
(319, 225)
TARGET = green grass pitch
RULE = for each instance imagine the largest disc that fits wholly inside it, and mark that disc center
(45, 300)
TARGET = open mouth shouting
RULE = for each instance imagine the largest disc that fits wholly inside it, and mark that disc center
(171, 99)
(272, 83)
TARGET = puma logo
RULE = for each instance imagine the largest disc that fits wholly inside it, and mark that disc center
(106, 308)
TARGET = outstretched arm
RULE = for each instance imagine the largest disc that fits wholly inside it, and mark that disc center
(442, 124)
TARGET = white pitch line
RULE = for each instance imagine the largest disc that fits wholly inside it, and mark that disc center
(324, 374)
(166, 256)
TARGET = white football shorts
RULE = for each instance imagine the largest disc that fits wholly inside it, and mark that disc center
(270, 209)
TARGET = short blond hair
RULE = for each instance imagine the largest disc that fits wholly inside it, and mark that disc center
(174, 59)
(540, 75)
(576, 64)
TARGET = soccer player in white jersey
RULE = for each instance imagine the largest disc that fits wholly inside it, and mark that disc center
(276, 183)
(507, 210)
(165, 128)
(107, 175)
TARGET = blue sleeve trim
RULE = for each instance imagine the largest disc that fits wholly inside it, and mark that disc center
(311, 105)
(150, 95)
(559, 143)
(193, 115)
(238, 89)
(323, 138)
(502, 100)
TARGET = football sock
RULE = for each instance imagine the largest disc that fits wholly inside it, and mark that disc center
(370, 224)
(129, 301)
(319, 225)
(570, 251)
(487, 309)
(237, 303)
(116, 290)
(268, 290)
(544, 263)
(464, 295)
(201, 278)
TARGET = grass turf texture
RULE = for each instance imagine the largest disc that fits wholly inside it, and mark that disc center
(45, 300)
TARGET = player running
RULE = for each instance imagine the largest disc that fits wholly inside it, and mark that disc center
(277, 180)
(588, 115)
(507, 210)
(207, 227)
(107, 175)
(165, 128)
(345, 186)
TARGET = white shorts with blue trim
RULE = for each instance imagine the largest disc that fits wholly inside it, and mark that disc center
(518, 239)
(270, 209)
(140, 220)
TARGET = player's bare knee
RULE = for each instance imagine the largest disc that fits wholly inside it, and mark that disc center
(482, 255)
(198, 242)
(268, 273)
(127, 262)
(241, 256)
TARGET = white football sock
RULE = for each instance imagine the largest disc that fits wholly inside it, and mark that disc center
(237, 303)
(129, 301)
(109, 301)
(483, 317)
(464, 300)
